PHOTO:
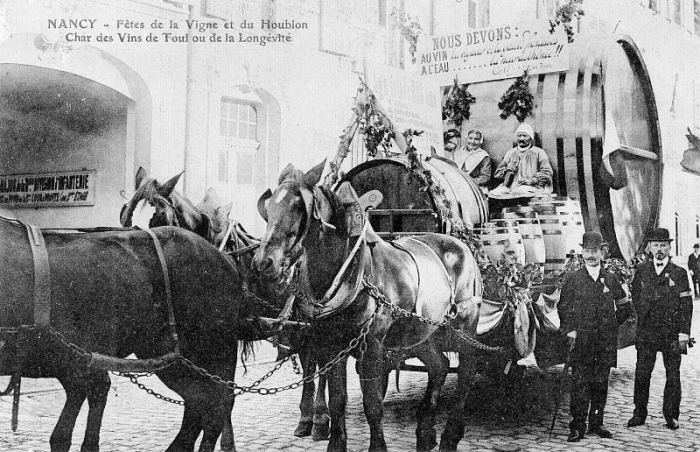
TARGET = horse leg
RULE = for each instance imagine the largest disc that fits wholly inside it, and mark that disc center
(189, 430)
(371, 370)
(321, 428)
(97, 400)
(308, 366)
(227, 440)
(76, 393)
(437, 365)
(214, 416)
(337, 399)
(454, 430)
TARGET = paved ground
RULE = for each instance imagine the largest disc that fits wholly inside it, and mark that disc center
(135, 421)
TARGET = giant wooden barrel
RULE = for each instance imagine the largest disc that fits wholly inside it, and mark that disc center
(607, 78)
(408, 208)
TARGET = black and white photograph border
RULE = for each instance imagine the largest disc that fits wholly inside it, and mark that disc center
(227, 201)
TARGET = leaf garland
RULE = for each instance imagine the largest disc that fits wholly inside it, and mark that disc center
(565, 14)
(507, 280)
(517, 100)
(410, 30)
(457, 104)
(377, 132)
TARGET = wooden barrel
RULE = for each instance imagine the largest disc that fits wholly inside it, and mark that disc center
(607, 78)
(569, 212)
(498, 236)
(530, 230)
(408, 208)
(555, 242)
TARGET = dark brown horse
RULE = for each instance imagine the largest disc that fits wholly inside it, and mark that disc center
(385, 296)
(108, 295)
(155, 204)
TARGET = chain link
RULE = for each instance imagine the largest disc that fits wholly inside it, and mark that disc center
(398, 311)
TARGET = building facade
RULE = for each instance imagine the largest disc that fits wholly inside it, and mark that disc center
(88, 93)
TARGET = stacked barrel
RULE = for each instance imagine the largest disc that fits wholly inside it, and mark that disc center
(546, 231)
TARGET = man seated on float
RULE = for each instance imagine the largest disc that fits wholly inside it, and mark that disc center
(525, 169)
(475, 161)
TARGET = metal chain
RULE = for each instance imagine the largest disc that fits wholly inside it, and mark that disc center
(238, 390)
(135, 380)
(398, 311)
(295, 365)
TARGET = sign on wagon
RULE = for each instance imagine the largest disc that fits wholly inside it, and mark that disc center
(492, 53)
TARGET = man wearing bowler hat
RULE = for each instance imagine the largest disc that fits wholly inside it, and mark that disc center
(662, 298)
(591, 306)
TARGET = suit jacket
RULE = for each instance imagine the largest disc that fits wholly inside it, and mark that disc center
(594, 309)
(664, 305)
(694, 265)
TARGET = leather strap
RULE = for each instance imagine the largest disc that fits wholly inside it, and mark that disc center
(168, 292)
(42, 277)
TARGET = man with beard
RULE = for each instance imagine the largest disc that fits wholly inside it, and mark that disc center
(591, 307)
(525, 170)
(662, 297)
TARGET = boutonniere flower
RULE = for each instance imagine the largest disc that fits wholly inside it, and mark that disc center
(671, 282)
(605, 287)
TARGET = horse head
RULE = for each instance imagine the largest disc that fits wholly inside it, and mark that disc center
(298, 212)
(155, 204)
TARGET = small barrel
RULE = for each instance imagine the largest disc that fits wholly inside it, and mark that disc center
(531, 232)
(498, 235)
(569, 211)
(555, 243)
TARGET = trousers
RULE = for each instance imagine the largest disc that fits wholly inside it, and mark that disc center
(646, 359)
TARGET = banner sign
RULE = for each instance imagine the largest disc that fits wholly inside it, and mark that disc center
(492, 53)
(410, 103)
(73, 188)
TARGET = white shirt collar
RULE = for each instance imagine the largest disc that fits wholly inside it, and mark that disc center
(659, 268)
(593, 271)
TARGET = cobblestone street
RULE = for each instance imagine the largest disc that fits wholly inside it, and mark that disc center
(135, 421)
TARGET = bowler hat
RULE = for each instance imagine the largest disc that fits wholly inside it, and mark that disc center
(592, 239)
(697, 245)
(659, 235)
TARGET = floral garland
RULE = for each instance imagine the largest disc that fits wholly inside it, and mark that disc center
(457, 104)
(517, 100)
(510, 281)
(377, 133)
(565, 14)
(410, 30)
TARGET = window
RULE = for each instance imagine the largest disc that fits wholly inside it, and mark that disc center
(238, 120)
(238, 126)
(472, 14)
(677, 12)
(697, 227)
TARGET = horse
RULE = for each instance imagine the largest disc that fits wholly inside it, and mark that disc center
(165, 292)
(154, 204)
(373, 296)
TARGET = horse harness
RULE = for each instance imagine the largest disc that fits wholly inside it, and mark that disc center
(42, 309)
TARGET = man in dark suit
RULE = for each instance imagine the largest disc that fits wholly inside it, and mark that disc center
(694, 269)
(662, 297)
(592, 305)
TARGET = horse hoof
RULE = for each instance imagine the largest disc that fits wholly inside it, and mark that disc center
(303, 429)
(321, 431)
(426, 441)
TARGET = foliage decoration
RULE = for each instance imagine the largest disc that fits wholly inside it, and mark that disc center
(410, 30)
(373, 125)
(509, 281)
(565, 14)
(457, 104)
(517, 100)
